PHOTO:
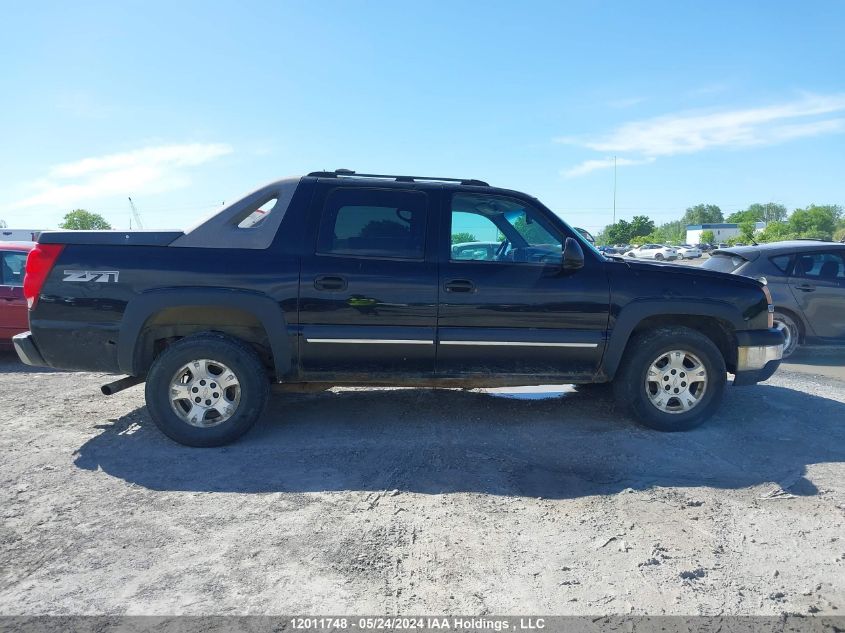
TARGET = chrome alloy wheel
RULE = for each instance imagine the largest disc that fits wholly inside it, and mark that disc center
(676, 381)
(786, 330)
(205, 393)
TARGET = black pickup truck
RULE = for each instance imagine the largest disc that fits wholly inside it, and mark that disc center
(337, 278)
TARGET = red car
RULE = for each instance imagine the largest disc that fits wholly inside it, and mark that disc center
(13, 314)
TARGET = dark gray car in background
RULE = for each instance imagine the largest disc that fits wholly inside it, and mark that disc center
(807, 282)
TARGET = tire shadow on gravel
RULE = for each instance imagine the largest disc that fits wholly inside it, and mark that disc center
(440, 441)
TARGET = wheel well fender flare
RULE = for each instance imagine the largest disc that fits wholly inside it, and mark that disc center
(142, 308)
(636, 312)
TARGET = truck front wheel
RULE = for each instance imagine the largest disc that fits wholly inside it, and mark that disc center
(206, 390)
(671, 378)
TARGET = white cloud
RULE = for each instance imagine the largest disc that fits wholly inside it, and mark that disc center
(687, 133)
(145, 170)
(602, 163)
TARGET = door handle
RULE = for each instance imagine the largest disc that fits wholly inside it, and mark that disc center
(806, 287)
(329, 282)
(459, 285)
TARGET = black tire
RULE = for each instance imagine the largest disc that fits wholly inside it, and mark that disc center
(791, 332)
(253, 385)
(658, 256)
(630, 389)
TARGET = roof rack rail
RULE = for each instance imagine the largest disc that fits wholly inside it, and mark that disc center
(339, 173)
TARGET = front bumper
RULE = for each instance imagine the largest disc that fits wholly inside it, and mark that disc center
(26, 349)
(758, 355)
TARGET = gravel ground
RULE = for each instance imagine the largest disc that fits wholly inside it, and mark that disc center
(533, 500)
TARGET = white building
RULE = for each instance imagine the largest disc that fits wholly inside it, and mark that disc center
(722, 232)
(19, 235)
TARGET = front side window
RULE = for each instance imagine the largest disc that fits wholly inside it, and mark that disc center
(373, 223)
(821, 266)
(12, 267)
(496, 228)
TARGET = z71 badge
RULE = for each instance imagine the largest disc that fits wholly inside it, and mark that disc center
(101, 276)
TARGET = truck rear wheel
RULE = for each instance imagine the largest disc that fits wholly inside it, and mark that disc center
(206, 390)
(672, 378)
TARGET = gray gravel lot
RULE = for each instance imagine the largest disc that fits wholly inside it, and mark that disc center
(533, 500)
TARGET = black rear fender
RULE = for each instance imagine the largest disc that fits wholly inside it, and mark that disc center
(154, 319)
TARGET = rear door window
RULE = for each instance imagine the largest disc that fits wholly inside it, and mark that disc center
(820, 266)
(364, 222)
(12, 266)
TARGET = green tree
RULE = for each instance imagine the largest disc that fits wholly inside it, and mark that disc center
(85, 220)
(460, 238)
(769, 212)
(641, 225)
(775, 232)
(815, 221)
(619, 233)
(743, 216)
(757, 212)
(746, 231)
(674, 232)
(707, 237)
(839, 235)
(703, 214)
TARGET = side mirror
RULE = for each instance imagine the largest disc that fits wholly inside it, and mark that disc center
(573, 255)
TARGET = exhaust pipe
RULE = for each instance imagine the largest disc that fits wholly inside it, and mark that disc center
(119, 385)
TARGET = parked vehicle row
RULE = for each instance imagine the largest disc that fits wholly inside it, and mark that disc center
(654, 251)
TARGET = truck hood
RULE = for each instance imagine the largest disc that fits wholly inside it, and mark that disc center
(667, 270)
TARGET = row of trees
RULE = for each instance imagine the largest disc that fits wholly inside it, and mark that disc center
(823, 222)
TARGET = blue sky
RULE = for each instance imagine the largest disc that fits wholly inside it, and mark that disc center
(184, 105)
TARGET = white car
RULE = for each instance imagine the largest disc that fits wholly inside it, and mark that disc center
(686, 251)
(653, 251)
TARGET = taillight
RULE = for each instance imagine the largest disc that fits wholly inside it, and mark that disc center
(39, 263)
(771, 304)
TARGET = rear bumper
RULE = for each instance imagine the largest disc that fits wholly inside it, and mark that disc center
(759, 354)
(26, 349)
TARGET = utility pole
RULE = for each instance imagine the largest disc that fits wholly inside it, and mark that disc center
(136, 215)
(614, 189)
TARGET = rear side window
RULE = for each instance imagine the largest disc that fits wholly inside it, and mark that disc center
(820, 266)
(781, 262)
(724, 262)
(261, 213)
(373, 223)
(12, 268)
